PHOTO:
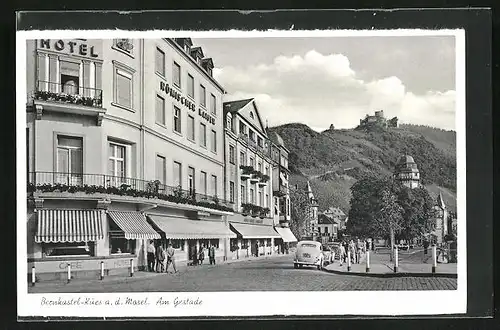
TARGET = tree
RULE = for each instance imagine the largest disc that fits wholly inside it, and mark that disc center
(300, 212)
(418, 213)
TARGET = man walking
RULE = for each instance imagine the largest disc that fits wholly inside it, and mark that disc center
(170, 257)
(160, 257)
(211, 254)
(151, 256)
(341, 254)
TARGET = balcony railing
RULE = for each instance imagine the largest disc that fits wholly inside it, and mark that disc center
(64, 93)
(255, 210)
(263, 150)
(116, 185)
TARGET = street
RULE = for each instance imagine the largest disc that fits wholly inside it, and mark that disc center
(270, 274)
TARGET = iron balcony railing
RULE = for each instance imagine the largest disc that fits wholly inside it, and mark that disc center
(68, 93)
(109, 184)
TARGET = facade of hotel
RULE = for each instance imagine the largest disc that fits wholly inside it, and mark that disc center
(126, 144)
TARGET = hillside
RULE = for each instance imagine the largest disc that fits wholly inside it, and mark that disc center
(334, 159)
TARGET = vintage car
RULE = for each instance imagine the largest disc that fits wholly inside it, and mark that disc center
(309, 253)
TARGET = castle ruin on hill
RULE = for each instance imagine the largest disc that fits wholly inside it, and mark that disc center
(377, 121)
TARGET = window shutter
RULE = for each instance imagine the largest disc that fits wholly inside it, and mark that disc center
(70, 68)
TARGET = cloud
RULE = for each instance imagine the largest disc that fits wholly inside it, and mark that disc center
(319, 90)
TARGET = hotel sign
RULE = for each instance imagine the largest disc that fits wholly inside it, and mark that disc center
(253, 220)
(167, 89)
(70, 47)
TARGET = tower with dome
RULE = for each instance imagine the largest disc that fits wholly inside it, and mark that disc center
(407, 172)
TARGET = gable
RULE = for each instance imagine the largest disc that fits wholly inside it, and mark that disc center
(251, 113)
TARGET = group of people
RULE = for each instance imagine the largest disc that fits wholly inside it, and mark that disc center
(199, 256)
(160, 259)
(356, 250)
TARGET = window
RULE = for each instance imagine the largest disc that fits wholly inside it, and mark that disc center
(161, 169)
(177, 119)
(252, 135)
(214, 141)
(243, 158)
(203, 96)
(160, 61)
(191, 128)
(261, 199)
(177, 244)
(177, 75)
(243, 195)
(260, 142)
(243, 128)
(68, 249)
(326, 230)
(119, 245)
(259, 167)
(70, 77)
(190, 86)
(214, 242)
(251, 115)
(266, 200)
(69, 160)
(191, 186)
(213, 104)
(203, 135)
(203, 183)
(177, 174)
(231, 191)
(214, 185)
(116, 164)
(231, 154)
(123, 86)
(160, 110)
(252, 162)
(252, 196)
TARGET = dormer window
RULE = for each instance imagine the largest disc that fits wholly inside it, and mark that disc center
(125, 45)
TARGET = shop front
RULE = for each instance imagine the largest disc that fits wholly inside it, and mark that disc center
(192, 239)
(83, 243)
(252, 240)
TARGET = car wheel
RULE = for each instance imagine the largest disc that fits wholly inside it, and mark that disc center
(319, 267)
(300, 266)
(295, 266)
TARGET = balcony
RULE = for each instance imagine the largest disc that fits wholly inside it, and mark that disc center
(262, 150)
(46, 182)
(254, 210)
(282, 191)
(68, 98)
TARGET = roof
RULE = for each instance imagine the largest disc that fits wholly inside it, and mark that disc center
(335, 211)
(406, 159)
(440, 201)
(276, 138)
(324, 220)
(235, 106)
(197, 50)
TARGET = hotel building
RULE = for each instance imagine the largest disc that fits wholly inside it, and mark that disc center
(125, 144)
(250, 172)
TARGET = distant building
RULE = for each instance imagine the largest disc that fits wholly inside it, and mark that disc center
(407, 172)
(337, 215)
(441, 218)
(327, 228)
(378, 120)
(312, 222)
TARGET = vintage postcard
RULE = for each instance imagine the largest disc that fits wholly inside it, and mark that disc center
(230, 173)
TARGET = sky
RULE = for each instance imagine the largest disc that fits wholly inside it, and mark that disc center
(338, 80)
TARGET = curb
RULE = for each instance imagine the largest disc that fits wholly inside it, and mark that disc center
(389, 275)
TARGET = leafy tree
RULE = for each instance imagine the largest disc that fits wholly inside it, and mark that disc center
(300, 215)
(418, 215)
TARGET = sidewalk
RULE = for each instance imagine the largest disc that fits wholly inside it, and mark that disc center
(141, 275)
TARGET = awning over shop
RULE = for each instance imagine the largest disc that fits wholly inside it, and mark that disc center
(56, 226)
(134, 225)
(286, 234)
(176, 228)
(248, 231)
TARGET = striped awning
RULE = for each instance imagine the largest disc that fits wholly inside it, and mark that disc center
(134, 225)
(56, 226)
(176, 228)
(286, 234)
(248, 231)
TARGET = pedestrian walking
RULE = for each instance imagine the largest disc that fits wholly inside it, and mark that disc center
(211, 254)
(151, 256)
(170, 257)
(160, 259)
(341, 254)
(201, 255)
(256, 249)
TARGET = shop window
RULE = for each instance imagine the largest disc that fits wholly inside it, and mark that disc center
(244, 244)
(233, 244)
(177, 244)
(68, 249)
(121, 245)
(204, 242)
(214, 242)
